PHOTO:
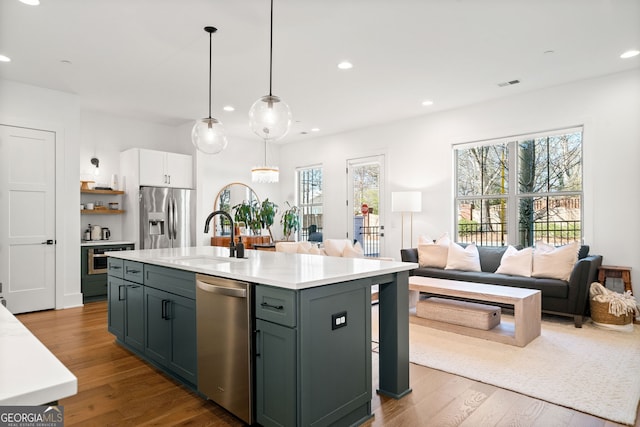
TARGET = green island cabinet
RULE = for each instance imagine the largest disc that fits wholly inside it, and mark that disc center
(313, 355)
(126, 302)
(170, 320)
(152, 312)
(312, 346)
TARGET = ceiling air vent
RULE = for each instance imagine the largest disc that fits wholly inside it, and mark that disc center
(509, 83)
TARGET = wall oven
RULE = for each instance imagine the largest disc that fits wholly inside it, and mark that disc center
(94, 269)
(97, 260)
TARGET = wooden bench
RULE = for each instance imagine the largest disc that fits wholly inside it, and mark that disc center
(527, 312)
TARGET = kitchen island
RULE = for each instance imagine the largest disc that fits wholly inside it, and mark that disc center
(30, 374)
(311, 346)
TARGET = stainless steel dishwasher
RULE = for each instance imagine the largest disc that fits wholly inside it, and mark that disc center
(224, 331)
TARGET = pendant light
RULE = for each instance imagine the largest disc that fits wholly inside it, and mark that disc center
(208, 134)
(269, 116)
(265, 174)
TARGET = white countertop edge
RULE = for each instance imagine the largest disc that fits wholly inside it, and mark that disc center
(31, 374)
(44, 396)
(270, 268)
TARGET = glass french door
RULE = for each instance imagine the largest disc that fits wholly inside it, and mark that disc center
(365, 203)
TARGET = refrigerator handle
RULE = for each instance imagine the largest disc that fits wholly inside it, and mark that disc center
(175, 219)
(170, 222)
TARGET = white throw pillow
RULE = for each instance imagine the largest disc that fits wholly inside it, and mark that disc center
(303, 247)
(554, 263)
(314, 250)
(434, 254)
(353, 251)
(335, 247)
(516, 262)
(288, 247)
(465, 259)
(423, 239)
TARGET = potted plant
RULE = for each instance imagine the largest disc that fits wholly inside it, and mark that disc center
(249, 213)
(290, 220)
(267, 214)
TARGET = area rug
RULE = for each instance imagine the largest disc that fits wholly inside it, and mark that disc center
(588, 369)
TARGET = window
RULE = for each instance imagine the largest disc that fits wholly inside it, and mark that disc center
(310, 200)
(520, 190)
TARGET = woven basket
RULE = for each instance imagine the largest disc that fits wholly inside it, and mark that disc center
(600, 314)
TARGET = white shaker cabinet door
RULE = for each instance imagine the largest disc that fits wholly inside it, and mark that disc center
(153, 168)
(179, 170)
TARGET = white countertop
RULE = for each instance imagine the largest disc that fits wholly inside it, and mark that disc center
(104, 242)
(291, 271)
(29, 373)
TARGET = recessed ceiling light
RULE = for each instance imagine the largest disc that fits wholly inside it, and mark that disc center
(315, 129)
(630, 54)
(345, 65)
(427, 103)
(31, 2)
(228, 108)
(509, 83)
(4, 58)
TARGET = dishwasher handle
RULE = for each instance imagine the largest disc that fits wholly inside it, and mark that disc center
(222, 290)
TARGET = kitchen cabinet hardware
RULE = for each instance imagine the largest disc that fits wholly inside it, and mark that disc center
(277, 307)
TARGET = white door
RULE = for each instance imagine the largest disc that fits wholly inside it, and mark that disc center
(365, 204)
(27, 218)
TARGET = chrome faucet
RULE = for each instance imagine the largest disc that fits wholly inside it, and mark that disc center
(232, 246)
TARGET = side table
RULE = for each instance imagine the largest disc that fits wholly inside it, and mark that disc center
(615, 271)
(618, 272)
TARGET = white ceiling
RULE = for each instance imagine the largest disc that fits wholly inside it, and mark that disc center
(148, 59)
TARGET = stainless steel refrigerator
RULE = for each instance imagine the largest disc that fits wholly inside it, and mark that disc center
(167, 217)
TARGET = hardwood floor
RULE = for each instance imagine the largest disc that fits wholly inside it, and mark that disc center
(116, 388)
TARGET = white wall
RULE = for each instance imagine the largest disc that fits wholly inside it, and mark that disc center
(419, 157)
(37, 108)
(104, 136)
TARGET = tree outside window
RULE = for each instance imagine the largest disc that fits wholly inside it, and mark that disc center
(544, 204)
(310, 200)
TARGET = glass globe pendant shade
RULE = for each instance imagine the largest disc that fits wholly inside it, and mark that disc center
(270, 118)
(208, 136)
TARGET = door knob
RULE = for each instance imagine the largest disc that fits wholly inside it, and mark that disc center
(48, 242)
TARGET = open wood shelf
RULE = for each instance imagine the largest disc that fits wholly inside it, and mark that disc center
(102, 191)
(101, 211)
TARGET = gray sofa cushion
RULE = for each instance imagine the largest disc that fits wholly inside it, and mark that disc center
(583, 252)
(490, 257)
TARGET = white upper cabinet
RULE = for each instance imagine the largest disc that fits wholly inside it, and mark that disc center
(180, 170)
(162, 169)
